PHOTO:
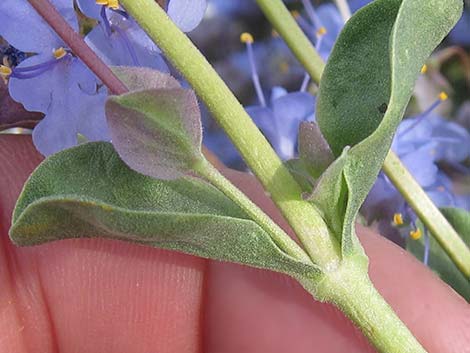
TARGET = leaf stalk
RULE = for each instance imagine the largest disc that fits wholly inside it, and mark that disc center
(282, 240)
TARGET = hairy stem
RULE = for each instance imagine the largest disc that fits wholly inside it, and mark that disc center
(339, 283)
(75, 42)
(413, 193)
(429, 214)
(309, 226)
(284, 241)
(351, 290)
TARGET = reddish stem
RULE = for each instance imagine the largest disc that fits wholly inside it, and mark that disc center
(78, 46)
(75, 42)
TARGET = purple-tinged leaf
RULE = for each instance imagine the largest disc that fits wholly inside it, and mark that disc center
(313, 149)
(157, 132)
(143, 78)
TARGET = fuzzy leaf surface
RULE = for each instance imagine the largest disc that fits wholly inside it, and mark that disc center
(364, 91)
(87, 191)
(144, 78)
(157, 132)
(313, 149)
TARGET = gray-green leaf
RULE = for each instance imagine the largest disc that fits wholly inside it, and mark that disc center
(439, 261)
(364, 90)
(157, 132)
(87, 191)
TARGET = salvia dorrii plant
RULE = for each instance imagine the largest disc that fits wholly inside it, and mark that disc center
(140, 173)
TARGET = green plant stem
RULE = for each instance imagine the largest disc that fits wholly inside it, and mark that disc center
(429, 214)
(278, 14)
(282, 240)
(321, 246)
(351, 290)
(310, 228)
(412, 192)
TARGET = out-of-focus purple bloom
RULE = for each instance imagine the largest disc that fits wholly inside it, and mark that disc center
(119, 40)
(323, 26)
(218, 142)
(231, 8)
(355, 5)
(275, 65)
(460, 34)
(463, 201)
(280, 119)
(420, 142)
(215, 139)
(187, 14)
(53, 81)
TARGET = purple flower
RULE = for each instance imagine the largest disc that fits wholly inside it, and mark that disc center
(53, 81)
(119, 40)
(355, 5)
(280, 119)
(461, 32)
(323, 26)
(187, 14)
(420, 142)
(231, 8)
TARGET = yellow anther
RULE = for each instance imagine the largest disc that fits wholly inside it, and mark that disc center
(113, 4)
(321, 31)
(5, 71)
(295, 13)
(416, 234)
(284, 67)
(443, 96)
(59, 53)
(398, 219)
(246, 37)
(424, 69)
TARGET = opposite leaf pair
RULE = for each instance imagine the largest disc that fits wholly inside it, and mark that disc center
(157, 132)
(88, 191)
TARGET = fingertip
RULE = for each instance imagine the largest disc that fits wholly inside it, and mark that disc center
(91, 295)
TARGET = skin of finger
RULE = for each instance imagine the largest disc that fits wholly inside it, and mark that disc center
(89, 295)
(248, 305)
(32, 318)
